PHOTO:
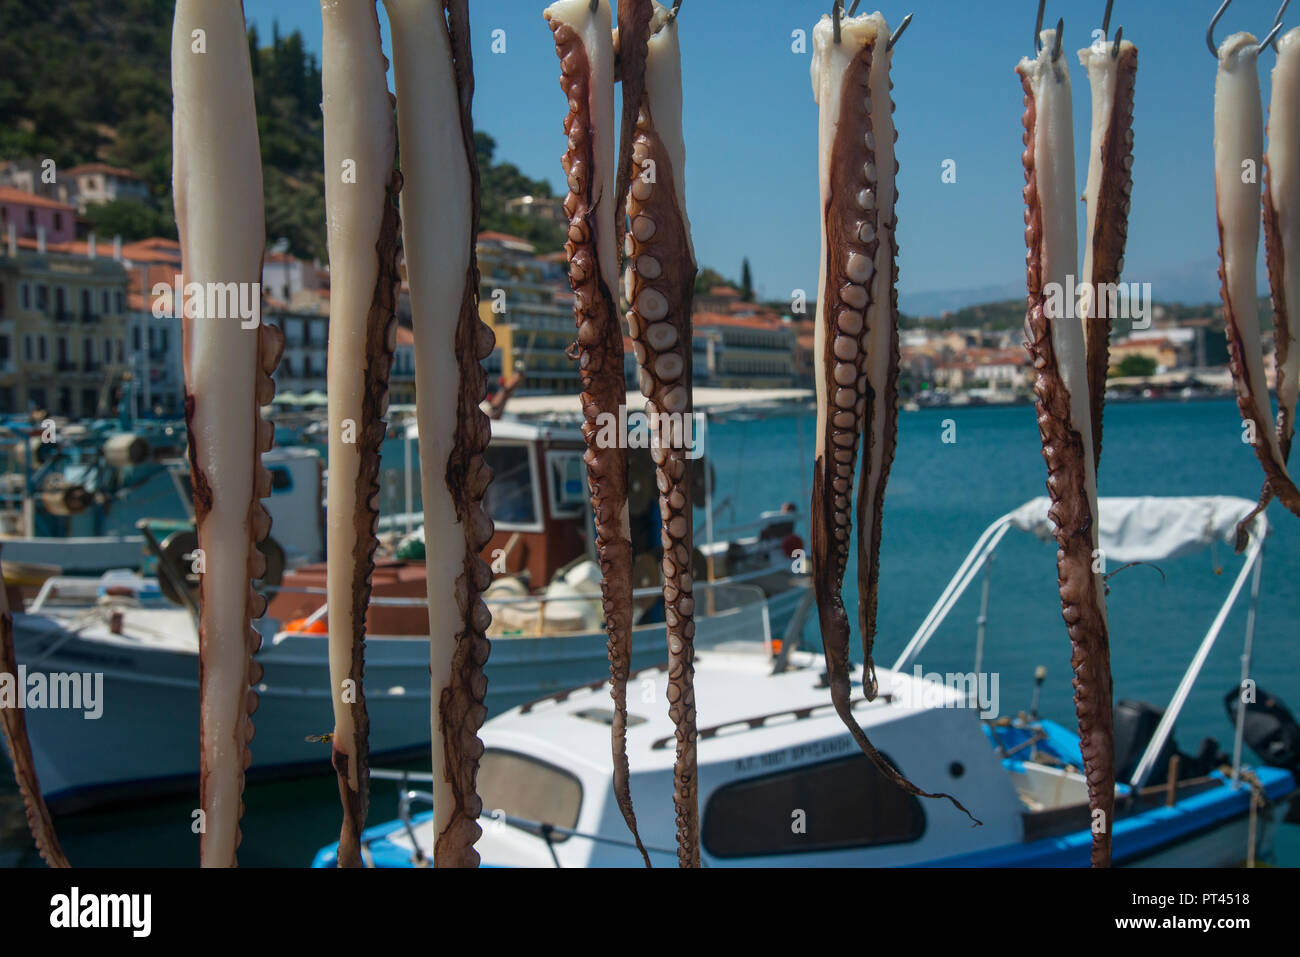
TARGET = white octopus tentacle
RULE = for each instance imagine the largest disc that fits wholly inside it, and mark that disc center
(360, 183)
(439, 204)
(217, 185)
(1238, 156)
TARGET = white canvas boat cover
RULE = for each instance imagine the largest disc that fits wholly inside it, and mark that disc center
(1151, 528)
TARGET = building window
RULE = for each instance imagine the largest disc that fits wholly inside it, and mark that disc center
(25, 294)
(31, 219)
(88, 351)
(108, 350)
(162, 340)
(121, 302)
(89, 401)
(121, 344)
(60, 299)
(44, 352)
(103, 300)
(27, 348)
(135, 337)
(86, 307)
(4, 350)
(43, 297)
(7, 400)
(58, 221)
(62, 347)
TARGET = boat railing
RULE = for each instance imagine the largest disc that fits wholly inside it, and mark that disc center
(713, 599)
(980, 560)
(492, 817)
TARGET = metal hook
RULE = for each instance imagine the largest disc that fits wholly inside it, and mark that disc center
(1038, 29)
(854, 9)
(899, 32)
(1105, 21)
(836, 11)
(1119, 37)
(672, 14)
(1271, 39)
(1218, 15)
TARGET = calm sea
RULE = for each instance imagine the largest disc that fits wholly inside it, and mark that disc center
(941, 496)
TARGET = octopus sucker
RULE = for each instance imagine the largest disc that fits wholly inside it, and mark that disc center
(660, 289)
(584, 42)
(360, 193)
(228, 360)
(13, 722)
(879, 356)
(842, 72)
(1281, 219)
(1056, 346)
(1112, 76)
(434, 78)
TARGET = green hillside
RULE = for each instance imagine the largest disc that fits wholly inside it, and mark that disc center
(90, 80)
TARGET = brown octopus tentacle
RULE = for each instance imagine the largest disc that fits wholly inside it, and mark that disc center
(880, 358)
(1110, 229)
(599, 351)
(660, 288)
(381, 342)
(13, 722)
(467, 478)
(851, 250)
(1071, 513)
(633, 40)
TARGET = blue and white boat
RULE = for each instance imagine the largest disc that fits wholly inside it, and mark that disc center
(781, 783)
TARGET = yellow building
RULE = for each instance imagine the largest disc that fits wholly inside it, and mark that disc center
(63, 320)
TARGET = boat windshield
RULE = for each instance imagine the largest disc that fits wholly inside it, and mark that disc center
(509, 499)
(524, 787)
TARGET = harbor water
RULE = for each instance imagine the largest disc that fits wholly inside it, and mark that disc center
(956, 471)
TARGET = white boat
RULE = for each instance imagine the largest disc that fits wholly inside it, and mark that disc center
(294, 505)
(781, 782)
(146, 647)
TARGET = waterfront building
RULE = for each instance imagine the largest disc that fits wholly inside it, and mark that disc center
(63, 320)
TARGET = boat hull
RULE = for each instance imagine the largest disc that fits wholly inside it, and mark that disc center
(147, 738)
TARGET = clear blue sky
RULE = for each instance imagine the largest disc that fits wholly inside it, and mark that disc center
(751, 129)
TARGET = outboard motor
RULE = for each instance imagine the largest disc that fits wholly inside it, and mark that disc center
(1135, 725)
(1271, 731)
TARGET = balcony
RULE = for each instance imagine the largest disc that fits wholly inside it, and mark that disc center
(63, 315)
(89, 317)
(89, 366)
(65, 365)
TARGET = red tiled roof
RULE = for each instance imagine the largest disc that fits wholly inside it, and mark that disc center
(118, 171)
(758, 321)
(405, 337)
(11, 194)
(493, 237)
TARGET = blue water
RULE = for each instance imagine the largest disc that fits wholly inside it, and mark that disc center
(941, 496)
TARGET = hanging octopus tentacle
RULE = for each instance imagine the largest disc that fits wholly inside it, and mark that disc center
(879, 355)
(217, 187)
(1113, 78)
(584, 45)
(363, 238)
(1055, 345)
(13, 722)
(1238, 137)
(1282, 249)
(467, 477)
(660, 288)
(434, 78)
(631, 50)
(841, 72)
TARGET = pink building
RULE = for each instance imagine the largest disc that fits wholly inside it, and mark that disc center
(26, 212)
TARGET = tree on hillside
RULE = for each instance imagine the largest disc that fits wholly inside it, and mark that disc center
(746, 282)
(1136, 365)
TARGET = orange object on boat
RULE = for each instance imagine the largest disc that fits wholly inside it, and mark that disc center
(301, 626)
